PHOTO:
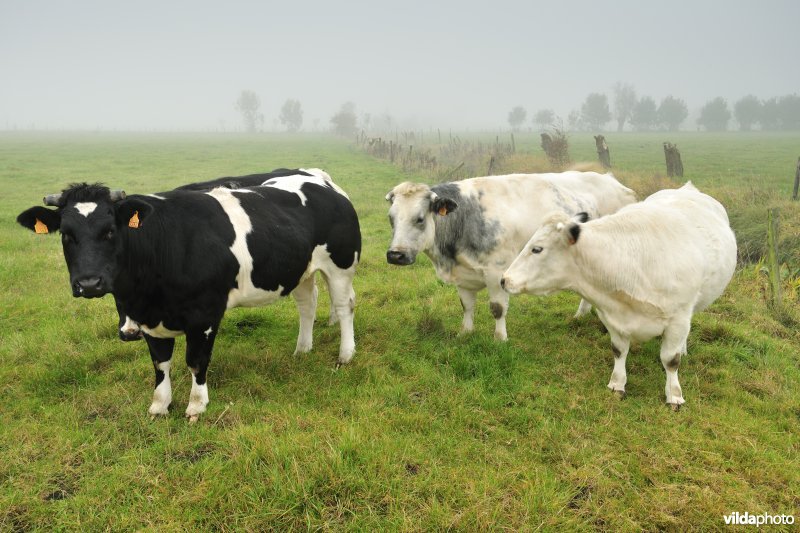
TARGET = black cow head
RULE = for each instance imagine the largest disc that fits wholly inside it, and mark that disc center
(90, 219)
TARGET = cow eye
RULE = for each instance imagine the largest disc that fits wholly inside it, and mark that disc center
(109, 235)
(536, 249)
(420, 221)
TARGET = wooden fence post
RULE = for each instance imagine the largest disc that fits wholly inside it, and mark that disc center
(602, 151)
(796, 180)
(547, 143)
(673, 157)
(773, 262)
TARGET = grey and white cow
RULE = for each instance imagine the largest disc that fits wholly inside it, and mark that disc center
(473, 229)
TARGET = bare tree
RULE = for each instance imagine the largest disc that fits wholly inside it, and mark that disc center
(291, 115)
(248, 104)
(624, 102)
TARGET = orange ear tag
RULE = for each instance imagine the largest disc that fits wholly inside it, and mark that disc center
(40, 227)
(134, 221)
(442, 211)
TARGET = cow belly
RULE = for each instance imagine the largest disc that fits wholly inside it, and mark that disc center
(161, 332)
(251, 296)
(462, 276)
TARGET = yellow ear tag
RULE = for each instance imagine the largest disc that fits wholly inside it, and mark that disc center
(443, 211)
(40, 227)
(134, 221)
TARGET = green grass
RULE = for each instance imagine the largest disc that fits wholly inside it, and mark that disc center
(425, 429)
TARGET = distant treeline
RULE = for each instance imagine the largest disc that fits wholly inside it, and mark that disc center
(779, 113)
(625, 109)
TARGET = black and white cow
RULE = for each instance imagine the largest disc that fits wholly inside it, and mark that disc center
(128, 330)
(176, 261)
(473, 229)
(250, 180)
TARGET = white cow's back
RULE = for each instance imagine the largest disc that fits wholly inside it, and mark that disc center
(675, 247)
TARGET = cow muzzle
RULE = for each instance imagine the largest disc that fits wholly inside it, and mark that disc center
(91, 287)
(508, 286)
(131, 334)
(397, 257)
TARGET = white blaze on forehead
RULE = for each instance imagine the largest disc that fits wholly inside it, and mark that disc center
(245, 293)
(85, 208)
(294, 184)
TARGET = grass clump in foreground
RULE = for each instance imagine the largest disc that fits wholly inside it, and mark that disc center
(424, 430)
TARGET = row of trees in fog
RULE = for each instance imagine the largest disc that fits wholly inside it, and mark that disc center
(644, 114)
(344, 122)
(627, 109)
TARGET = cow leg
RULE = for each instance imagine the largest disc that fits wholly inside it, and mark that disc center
(332, 317)
(498, 305)
(619, 377)
(584, 308)
(467, 298)
(343, 300)
(161, 354)
(673, 346)
(199, 344)
(305, 295)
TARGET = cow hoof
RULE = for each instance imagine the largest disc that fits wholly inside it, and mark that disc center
(619, 394)
(193, 418)
(675, 407)
(345, 358)
(502, 337)
(157, 410)
(302, 349)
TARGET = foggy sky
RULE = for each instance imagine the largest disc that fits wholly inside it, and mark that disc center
(167, 65)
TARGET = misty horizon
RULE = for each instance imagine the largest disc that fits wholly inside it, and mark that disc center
(168, 67)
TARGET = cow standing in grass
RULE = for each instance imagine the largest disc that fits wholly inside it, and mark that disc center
(646, 269)
(473, 229)
(176, 261)
(128, 329)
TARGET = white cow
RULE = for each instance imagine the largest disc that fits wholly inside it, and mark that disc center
(646, 269)
(473, 229)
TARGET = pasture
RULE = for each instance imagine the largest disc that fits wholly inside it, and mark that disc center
(424, 429)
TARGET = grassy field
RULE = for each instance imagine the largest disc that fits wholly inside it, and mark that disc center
(425, 429)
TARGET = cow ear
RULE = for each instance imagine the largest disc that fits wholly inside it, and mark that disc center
(132, 212)
(574, 232)
(442, 206)
(40, 219)
(390, 197)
